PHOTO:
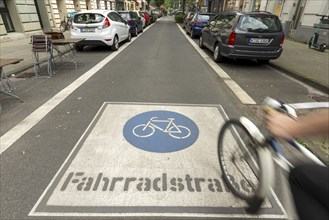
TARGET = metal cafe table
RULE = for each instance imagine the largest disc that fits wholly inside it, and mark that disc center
(7, 85)
(66, 43)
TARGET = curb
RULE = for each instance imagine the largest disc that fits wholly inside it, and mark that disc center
(301, 78)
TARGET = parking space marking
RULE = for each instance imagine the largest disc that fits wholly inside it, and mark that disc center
(107, 174)
(236, 89)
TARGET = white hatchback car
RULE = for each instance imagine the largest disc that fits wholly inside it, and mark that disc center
(100, 27)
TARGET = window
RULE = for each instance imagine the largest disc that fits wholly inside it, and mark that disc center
(203, 17)
(112, 16)
(88, 18)
(260, 23)
(125, 16)
(6, 17)
(133, 15)
(118, 18)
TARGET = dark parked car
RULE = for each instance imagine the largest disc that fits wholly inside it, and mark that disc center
(153, 16)
(253, 35)
(195, 25)
(134, 21)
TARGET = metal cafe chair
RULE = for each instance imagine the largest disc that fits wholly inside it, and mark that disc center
(42, 44)
(54, 36)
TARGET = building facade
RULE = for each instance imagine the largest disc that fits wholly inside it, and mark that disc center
(28, 17)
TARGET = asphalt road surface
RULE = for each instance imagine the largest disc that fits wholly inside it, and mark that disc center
(132, 134)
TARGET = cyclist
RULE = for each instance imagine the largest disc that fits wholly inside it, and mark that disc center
(309, 183)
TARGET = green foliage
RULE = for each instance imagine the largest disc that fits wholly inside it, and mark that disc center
(158, 3)
(179, 18)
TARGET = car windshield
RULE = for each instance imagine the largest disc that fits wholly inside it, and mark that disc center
(125, 15)
(87, 18)
(133, 14)
(204, 17)
(259, 23)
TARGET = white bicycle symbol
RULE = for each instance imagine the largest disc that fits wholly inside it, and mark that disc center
(148, 129)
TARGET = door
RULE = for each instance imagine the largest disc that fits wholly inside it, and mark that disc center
(124, 27)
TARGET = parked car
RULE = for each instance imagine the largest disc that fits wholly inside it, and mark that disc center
(100, 27)
(253, 35)
(154, 16)
(141, 16)
(187, 18)
(134, 21)
(147, 17)
(197, 23)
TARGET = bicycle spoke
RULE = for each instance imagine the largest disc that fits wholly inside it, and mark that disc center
(238, 160)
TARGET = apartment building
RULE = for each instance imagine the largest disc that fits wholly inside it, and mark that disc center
(28, 17)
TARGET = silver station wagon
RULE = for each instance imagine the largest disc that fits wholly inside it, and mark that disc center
(238, 35)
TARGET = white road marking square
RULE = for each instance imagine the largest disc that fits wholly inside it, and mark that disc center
(116, 169)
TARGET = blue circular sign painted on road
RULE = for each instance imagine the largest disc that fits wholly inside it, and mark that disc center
(161, 131)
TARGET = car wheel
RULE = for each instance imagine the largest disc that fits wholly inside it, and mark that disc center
(261, 61)
(217, 56)
(136, 32)
(115, 45)
(192, 34)
(78, 47)
(129, 37)
(310, 42)
(201, 42)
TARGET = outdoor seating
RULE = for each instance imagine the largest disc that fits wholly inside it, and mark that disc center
(62, 46)
(7, 86)
(42, 44)
(54, 36)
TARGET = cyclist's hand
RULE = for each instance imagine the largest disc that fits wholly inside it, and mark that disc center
(279, 124)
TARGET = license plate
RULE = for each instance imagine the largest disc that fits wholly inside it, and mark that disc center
(87, 29)
(258, 41)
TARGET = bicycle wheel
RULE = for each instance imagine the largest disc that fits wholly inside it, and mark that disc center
(243, 164)
(182, 133)
(142, 131)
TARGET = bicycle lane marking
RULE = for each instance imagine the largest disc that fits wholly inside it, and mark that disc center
(108, 175)
(236, 89)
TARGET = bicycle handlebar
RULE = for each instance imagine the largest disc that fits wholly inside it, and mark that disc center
(290, 108)
(270, 103)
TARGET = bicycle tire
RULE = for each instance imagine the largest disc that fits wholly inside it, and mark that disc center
(177, 135)
(140, 133)
(243, 164)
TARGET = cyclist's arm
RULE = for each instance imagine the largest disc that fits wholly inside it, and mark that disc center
(285, 127)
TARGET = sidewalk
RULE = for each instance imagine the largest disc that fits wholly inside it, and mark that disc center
(308, 65)
(297, 60)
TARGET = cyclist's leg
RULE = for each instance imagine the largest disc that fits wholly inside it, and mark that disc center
(310, 189)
